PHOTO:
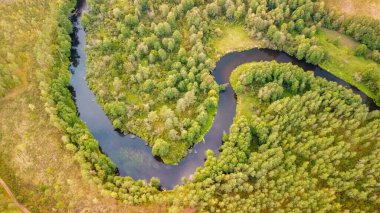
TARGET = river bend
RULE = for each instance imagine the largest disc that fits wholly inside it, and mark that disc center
(130, 154)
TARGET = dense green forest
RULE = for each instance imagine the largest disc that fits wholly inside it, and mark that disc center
(311, 137)
(298, 143)
(151, 67)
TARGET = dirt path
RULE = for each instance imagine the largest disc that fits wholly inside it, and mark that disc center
(8, 190)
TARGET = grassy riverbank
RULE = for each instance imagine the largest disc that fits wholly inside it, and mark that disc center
(342, 62)
(233, 37)
(42, 174)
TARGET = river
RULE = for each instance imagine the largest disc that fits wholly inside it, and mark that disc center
(130, 154)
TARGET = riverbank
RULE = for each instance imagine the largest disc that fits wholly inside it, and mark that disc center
(342, 62)
(231, 37)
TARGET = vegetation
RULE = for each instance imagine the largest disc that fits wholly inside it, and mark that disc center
(298, 143)
(6, 203)
(101, 171)
(356, 7)
(312, 146)
(365, 30)
(33, 161)
(151, 68)
(232, 37)
(361, 28)
(346, 60)
(14, 56)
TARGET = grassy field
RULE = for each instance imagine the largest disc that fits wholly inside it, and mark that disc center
(6, 203)
(341, 60)
(340, 39)
(233, 38)
(356, 7)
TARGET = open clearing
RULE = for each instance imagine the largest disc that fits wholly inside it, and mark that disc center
(356, 7)
(341, 60)
(233, 38)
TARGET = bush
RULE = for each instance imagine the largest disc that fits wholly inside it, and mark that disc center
(160, 148)
(361, 50)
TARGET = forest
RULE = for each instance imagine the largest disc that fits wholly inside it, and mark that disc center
(298, 143)
(161, 50)
(148, 52)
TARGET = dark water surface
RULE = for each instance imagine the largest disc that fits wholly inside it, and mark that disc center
(130, 154)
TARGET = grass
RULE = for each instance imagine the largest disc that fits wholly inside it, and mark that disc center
(208, 125)
(341, 39)
(6, 203)
(233, 37)
(342, 62)
(356, 7)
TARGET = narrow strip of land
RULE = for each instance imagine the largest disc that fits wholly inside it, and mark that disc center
(8, 190)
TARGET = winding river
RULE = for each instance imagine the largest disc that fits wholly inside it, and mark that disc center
(130, 154)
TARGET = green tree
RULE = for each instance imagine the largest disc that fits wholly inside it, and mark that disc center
(315, 55)
(302, 50)
(361, 50)
(161, 148)
(155, 182)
